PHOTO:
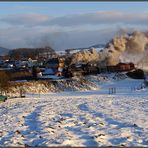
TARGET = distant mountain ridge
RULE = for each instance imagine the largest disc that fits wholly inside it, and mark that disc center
(93, 46)
(98, 46)
(4, 51)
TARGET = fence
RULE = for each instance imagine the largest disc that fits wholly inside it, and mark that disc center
(113, 90)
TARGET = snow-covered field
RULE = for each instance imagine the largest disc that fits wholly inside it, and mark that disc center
(78, 118)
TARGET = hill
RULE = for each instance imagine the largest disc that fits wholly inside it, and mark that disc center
(4, 51)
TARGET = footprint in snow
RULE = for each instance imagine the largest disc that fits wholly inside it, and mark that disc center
(83, 107)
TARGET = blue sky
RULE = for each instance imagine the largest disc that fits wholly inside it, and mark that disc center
(68, 24)
(64, 8)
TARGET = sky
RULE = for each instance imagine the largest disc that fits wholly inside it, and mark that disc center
(63, 25)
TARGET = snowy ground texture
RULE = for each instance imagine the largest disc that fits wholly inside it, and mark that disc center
(86, 118)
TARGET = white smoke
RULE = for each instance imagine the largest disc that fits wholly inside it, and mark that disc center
(85, 56)
(124, 48)
(128, 47)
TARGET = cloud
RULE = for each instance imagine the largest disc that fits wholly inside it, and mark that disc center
(59, 40)
(71, 31)
(16, 37)
(102, 17)
(25, 19)
(97, 18)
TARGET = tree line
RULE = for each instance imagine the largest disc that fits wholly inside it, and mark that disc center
(33, 53)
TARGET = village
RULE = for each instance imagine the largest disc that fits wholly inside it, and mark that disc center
(52, 65)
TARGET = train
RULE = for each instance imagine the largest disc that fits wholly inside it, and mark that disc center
(93, 68)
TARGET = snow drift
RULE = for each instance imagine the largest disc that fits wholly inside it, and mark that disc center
(42, 86)
(91, 82)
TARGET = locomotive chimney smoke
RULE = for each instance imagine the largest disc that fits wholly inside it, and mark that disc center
(131, 46)
(85, 56)
(125, 47)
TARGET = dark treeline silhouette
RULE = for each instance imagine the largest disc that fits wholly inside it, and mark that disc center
(32, 53)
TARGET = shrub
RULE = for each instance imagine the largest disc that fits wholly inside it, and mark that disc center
(4, 82)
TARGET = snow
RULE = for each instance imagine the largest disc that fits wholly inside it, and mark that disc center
(79, 118)
(99, 49)
(51, 77)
